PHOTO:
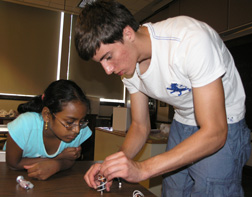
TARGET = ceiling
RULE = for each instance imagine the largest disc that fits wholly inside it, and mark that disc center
(141, 9)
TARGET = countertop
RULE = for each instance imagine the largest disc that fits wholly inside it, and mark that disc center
(155, 137)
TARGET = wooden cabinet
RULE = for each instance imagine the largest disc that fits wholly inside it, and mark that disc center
(88, 146)
(5, 120)
(214, 12)
(222, 15)
(239, 12)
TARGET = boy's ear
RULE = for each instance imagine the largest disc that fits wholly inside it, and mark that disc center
(45, 114)
(128, 33)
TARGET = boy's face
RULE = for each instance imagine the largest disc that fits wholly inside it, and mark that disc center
(118, 58)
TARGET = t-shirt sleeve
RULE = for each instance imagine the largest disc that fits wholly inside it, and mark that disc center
(129, 83)
(18, 130)
(203, 58)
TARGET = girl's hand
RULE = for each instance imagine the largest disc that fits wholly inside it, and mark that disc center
(71, 153)
(43, 170)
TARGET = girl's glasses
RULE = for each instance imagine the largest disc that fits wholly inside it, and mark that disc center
(82, 124)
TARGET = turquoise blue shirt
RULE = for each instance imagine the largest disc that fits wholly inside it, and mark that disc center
(27, 131)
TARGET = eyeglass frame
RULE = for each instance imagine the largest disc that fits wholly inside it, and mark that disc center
(70, 127)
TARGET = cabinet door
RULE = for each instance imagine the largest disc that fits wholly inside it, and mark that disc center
(240, 12)
(170, 11)
(212, 12)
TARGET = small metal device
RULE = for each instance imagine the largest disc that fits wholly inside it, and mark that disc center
(24, 183)
(102, 185)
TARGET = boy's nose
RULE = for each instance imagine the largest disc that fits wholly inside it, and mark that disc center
(108, 69)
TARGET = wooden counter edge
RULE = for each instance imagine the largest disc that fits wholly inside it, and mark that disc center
(123, 134)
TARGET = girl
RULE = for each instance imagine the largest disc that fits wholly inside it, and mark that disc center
(46, 137)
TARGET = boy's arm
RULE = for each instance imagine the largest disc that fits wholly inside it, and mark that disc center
(135, 138)
(140, 126)
(209, 105)
(209, 102)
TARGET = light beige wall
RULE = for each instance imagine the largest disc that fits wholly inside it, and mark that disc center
(91, 76)
(29, 39)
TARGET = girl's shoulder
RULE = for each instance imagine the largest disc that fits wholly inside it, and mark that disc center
(29, 115)
(27, 118)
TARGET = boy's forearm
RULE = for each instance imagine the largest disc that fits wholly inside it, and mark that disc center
(134, 142)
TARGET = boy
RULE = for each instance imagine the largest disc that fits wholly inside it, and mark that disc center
(183, 62)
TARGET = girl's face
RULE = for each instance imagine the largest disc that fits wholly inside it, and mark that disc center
(65, 125)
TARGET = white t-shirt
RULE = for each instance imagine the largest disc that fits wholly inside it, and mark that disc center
(188, 53)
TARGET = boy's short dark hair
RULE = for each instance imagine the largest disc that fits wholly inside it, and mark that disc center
(101, 21)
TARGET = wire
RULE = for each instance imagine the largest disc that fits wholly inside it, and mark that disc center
(103, 182)
(137, 193)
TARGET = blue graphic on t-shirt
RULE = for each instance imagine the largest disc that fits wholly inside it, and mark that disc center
(178, 88)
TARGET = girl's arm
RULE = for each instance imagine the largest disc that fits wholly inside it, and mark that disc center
(44, 169)
(14, 156)
(40, 168)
